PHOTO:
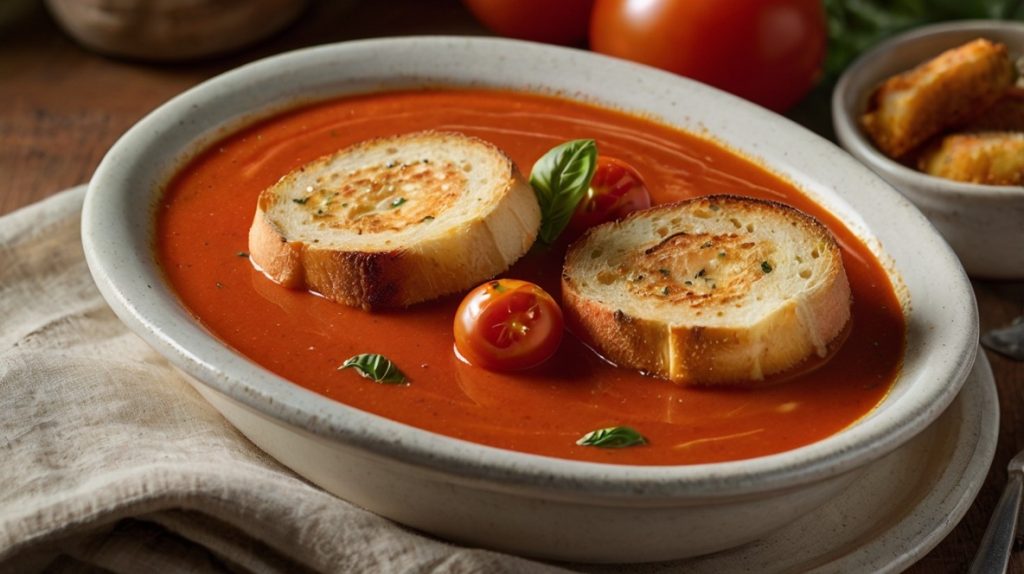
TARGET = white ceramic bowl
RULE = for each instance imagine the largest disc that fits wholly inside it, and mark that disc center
(983, 223)
(486, 496)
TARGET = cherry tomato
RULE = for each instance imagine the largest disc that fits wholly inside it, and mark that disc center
(615, 191)
(767, 51)
(508, 325)
(553, 21)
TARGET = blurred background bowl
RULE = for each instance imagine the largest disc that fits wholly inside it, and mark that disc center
(983, 223)
(171, 30)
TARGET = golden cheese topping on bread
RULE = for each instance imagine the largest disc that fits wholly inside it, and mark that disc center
(717, 289)
(394, 221)
(941, 93)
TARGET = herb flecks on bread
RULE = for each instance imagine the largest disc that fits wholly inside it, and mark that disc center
(713, 290)
(395, 221)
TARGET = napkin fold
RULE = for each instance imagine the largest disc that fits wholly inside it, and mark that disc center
(110, 461)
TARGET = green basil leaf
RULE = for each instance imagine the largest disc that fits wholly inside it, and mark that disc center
(856, 25)
(376, 367)
(612, 437)
(560, 178)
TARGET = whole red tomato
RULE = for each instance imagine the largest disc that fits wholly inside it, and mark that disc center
(508, 325)
(615, 191)
(767, 51)
(552, 21)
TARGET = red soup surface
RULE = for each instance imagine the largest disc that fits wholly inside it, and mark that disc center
(202, 242)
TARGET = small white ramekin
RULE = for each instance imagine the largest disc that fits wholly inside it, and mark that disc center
(983, 223)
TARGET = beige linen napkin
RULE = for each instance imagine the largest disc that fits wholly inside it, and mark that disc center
(109, 461)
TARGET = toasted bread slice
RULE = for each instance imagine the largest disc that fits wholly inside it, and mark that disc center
(394, 221)
(713, 290)
(944, 92)
(991, 158)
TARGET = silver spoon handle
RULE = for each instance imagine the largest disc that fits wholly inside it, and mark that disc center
(994, 553)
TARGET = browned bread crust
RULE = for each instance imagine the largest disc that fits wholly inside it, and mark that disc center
(990, 158)
(1006, 115)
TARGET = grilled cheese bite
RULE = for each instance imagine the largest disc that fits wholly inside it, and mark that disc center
(942, 93)
(991, 158)
(1006, 115)
(395, 221)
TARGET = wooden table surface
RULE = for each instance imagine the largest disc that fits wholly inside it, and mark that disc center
(62, 107)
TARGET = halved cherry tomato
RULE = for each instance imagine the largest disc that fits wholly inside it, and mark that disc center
(615, 191)
(508, 325)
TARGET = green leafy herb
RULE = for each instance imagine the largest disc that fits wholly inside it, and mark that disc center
(856, 25)
(397, 201)
(766, 267)
(300, 200)
(612, 437)
(560, 178)
(378, 368)
(242, 254)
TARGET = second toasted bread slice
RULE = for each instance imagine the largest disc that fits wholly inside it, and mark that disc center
(713, 290)
(395, 221)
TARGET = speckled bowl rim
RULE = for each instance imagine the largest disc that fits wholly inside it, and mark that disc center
(853, 85)
(117, 240)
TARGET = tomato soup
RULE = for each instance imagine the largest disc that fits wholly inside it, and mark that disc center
(201, 243)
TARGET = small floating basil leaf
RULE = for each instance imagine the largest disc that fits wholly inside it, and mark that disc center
(376, 367)
(612, 437)
(560, 178)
